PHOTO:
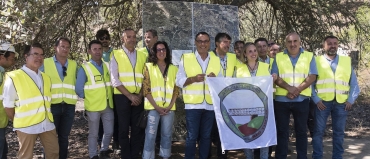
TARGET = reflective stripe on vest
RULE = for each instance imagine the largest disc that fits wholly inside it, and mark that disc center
(131, 78)
(62, 90)
(243, 71)
(32, 107)
(3, 116)
(293, 76)
(97, 90)
(329, 85)
(161, 90)
(196, 93)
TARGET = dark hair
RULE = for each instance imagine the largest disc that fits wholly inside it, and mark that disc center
(330, 37)
(128, 29)
(247, 44)
(28, 48)
(94, 42)
(100, 33)
(60, 39)
(202, 33)
(219, 36)
(260, 39)
(153, 53)
(238, 42)
(154, 32)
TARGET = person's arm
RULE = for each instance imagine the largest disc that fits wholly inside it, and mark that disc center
(281, 83)
(354, 90)
(113, 67)
(173, 100)
(9, 97)
(311, 76)
(80, 82)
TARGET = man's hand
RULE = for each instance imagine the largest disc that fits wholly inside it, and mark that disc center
(293, 91)
(274, 77)
(348, 106)
(135, 99)
(290, 96)
(211, 75)
(321, 105)
(199, 78)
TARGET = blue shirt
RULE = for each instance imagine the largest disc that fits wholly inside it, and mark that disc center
(106, 55)
(2, 73)
(82, 78)
(354, 89)
(312, 70)
(58, 66)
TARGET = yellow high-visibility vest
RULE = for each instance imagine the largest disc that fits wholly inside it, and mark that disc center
(197, 92)
(161, 89)
(33, 106)
(329, 85)
(243, 71)
(131, 78)
(144, 50)
(62, 90)
(98, 91)
(3, 116)
(293, 76)
(231, 62)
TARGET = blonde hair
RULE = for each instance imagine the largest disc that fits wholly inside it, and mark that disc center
(246, 45)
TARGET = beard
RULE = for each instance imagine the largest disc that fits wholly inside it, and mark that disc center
(331, 52)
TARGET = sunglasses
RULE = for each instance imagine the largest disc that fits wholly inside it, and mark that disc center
(104, 38)
(160, 50)
(64, 71)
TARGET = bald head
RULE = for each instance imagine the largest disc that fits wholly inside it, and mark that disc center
(293, 43)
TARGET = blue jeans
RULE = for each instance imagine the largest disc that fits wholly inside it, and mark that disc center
(151, 134)
(264, 153)
(63, 115)
(199, 122)
(339, 117)
(3, 144)
(282, 115)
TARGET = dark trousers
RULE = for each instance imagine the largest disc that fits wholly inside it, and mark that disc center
(3, 144)
(63, 115)
(311, 117)
(282, 115)
(128, 116)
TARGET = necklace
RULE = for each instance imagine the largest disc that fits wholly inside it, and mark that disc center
(252, 70)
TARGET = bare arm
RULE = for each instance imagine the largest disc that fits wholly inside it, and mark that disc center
(307, 82)
(10, 113)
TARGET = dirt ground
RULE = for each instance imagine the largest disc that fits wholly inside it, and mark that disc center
(357, 130)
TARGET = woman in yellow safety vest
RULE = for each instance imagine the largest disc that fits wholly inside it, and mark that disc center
(250, 68)
(160, 94)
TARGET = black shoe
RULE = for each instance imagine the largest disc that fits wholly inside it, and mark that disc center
(109, 151)
(104, 155)
(115, 145)
(95, 157)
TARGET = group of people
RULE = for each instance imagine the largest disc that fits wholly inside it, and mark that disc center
(118, 85)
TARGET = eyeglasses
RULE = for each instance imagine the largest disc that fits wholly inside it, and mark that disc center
(64, 71)
(270, 44)
(37, 55)
(104, 38)
(202, 41)
(160, 50)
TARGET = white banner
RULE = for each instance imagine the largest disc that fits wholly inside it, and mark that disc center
(244, 111)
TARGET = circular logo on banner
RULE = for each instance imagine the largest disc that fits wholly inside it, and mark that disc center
(249, 119)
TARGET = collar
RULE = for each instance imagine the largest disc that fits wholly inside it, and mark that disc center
(127, 51)
(2, 70)
(55, 60)
(109, 51)
(327, 57)
(96, 64)
(27, 70)
(197, 54)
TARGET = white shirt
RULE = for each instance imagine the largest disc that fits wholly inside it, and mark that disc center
(181, 79)
(10, 96)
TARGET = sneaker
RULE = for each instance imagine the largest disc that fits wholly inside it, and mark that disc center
(95, 157)
(104, 155)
